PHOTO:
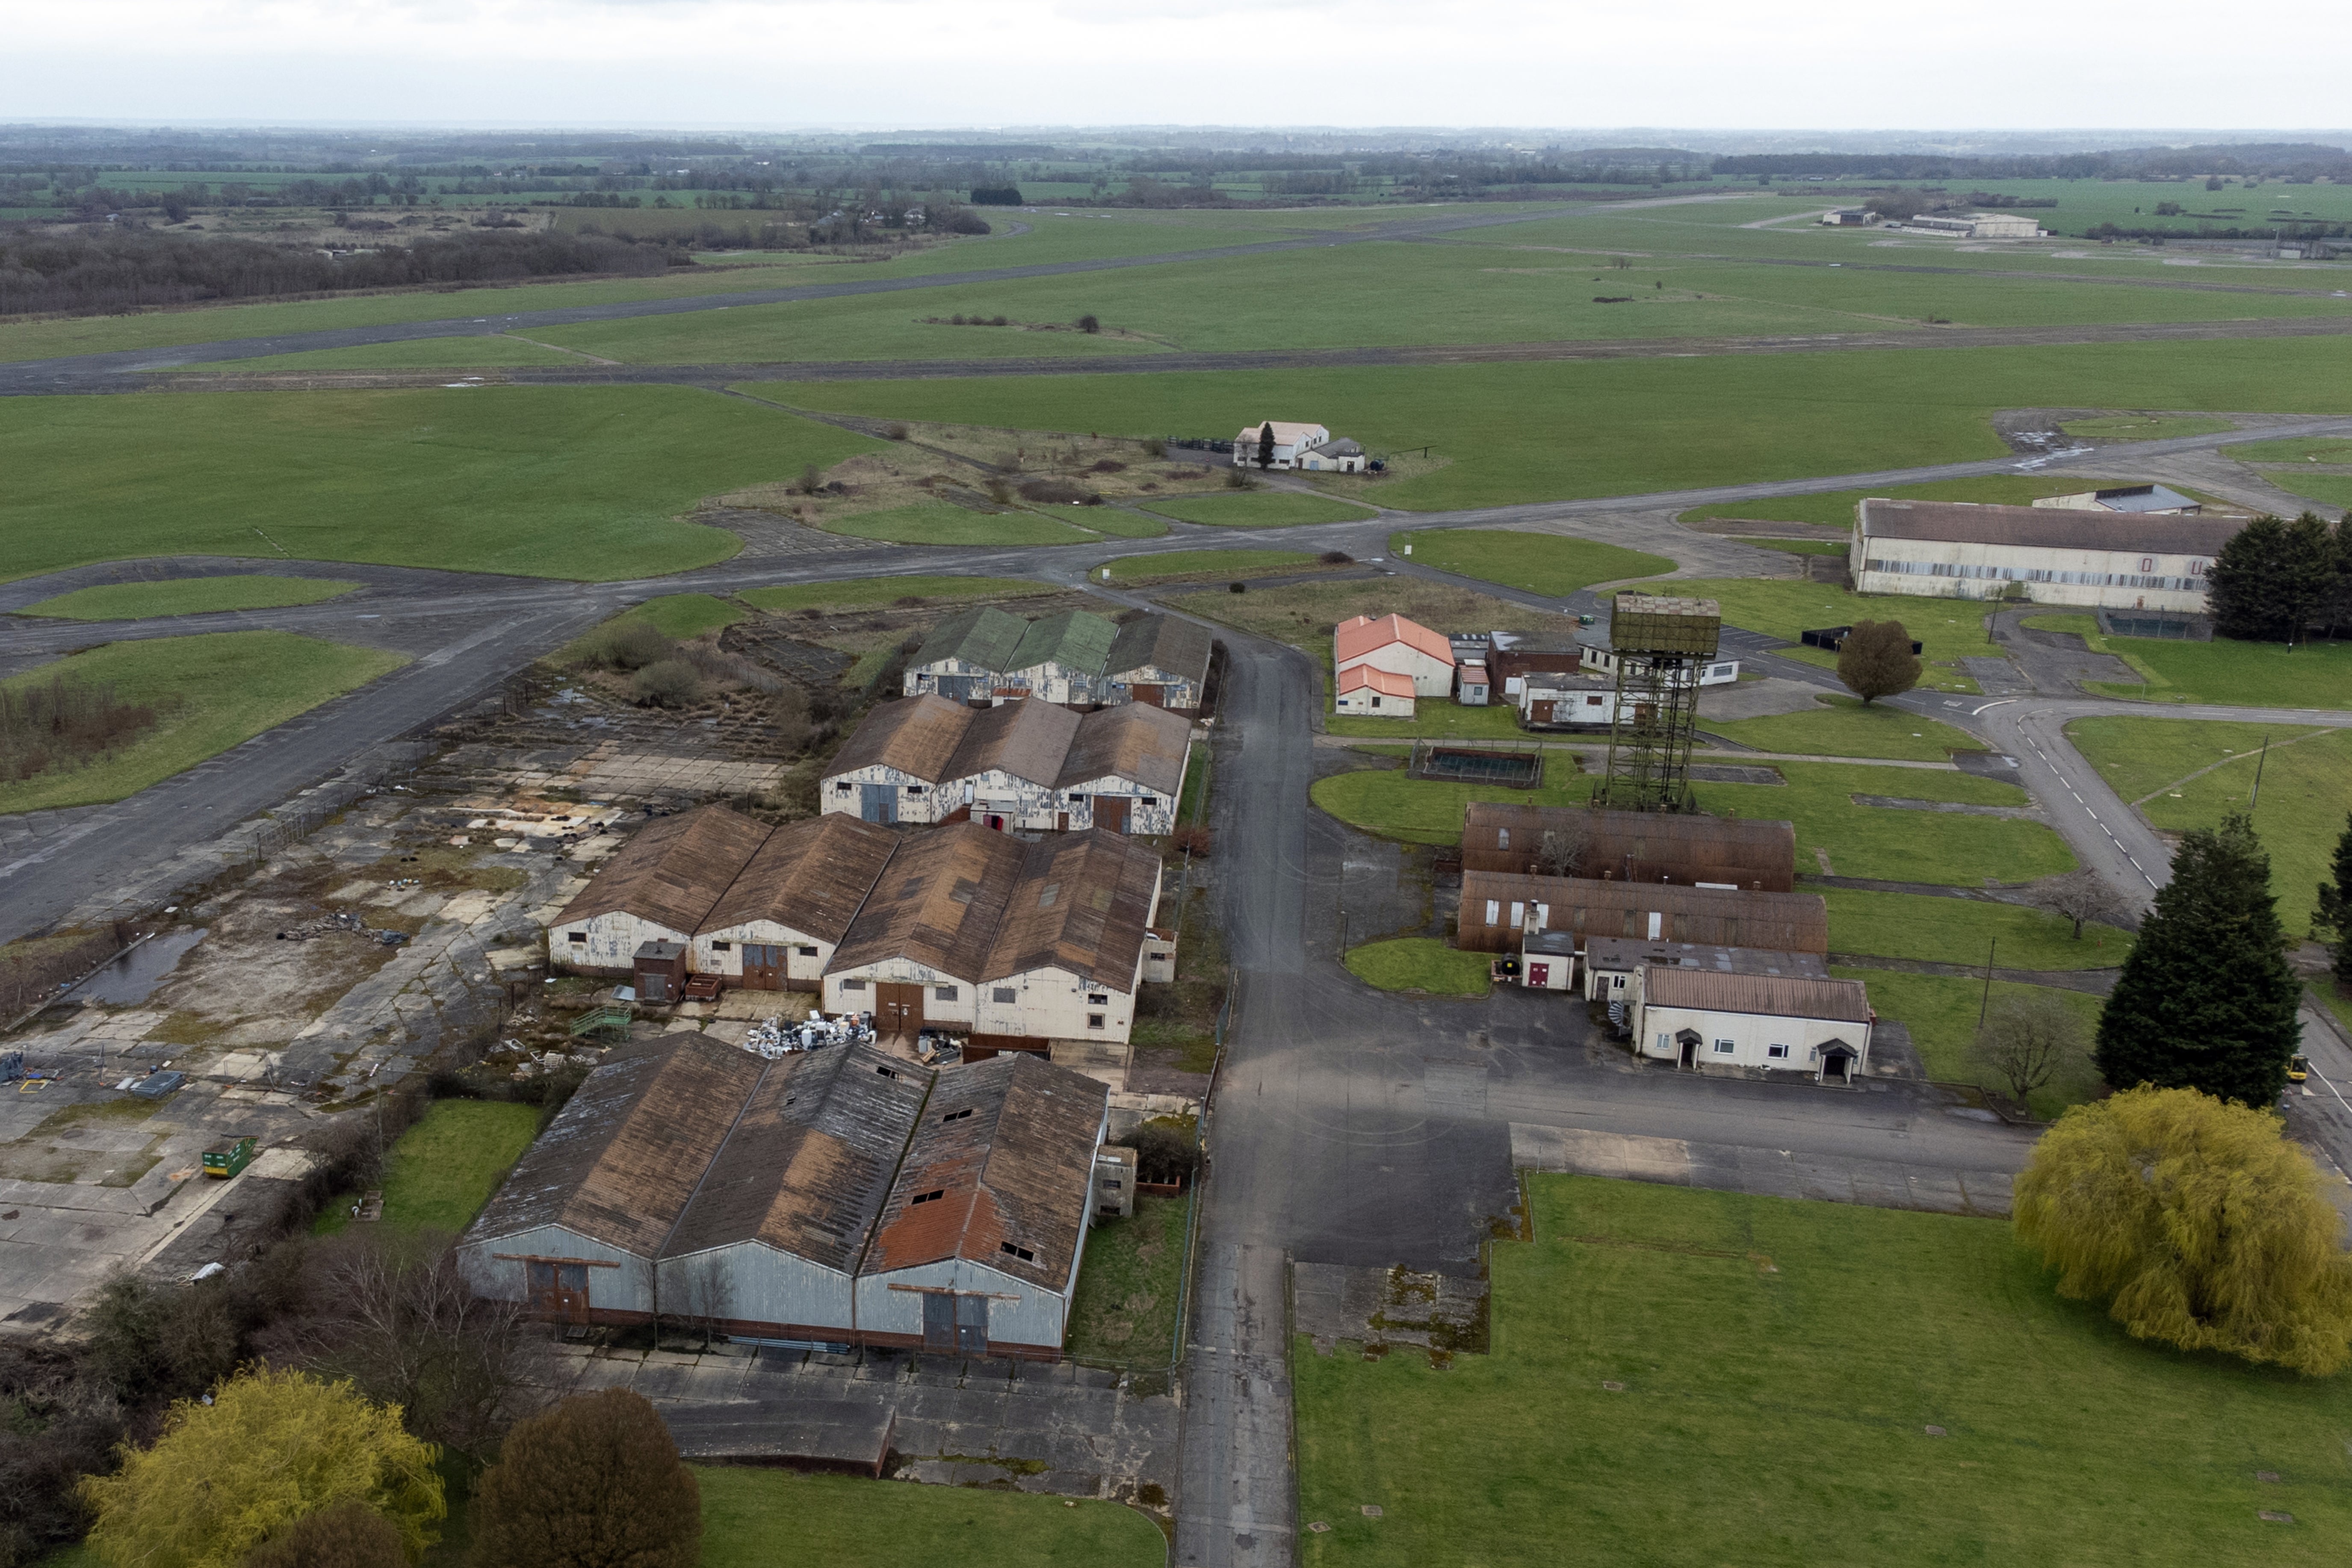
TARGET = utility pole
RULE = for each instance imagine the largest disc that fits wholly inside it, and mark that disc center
(1985, 1006)
(2255, 798)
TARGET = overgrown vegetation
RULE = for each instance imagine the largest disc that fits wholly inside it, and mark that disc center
(66, 723)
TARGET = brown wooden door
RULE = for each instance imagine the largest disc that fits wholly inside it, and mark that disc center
(561, 1290)
(898, 1009)
(763, 966)
(1157, 696)
(1111, 811)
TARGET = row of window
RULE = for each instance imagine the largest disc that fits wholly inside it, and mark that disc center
(2193, 581)
(1725, 1047)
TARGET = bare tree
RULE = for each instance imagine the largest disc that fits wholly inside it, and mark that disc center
(2081, 895)
(1564, 846)
(2026, 1036)
(701, 1295)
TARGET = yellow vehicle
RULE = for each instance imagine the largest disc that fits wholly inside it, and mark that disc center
(2298, 1067)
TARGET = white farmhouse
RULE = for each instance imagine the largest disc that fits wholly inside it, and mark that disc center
(776, 926)
(1699, 1017)
(2106, 560)
(1400, 646)
(1308, 447)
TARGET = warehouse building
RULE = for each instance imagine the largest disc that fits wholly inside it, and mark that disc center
(777, 924)
(1399, 647)
(2152, 498)
(1500, 909)
(838, 1197)
(654, 893)
(987, 656)
(1030, 766)
(2097, 559)
(1161, 661)
(1750, 853)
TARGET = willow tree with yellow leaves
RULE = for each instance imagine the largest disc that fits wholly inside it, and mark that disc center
(2197, 1224)
(270, 1449)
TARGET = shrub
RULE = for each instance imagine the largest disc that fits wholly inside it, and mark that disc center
(593, 1483)
(347, 1534)
(672, 683)
(998, 321)
(1236, 587)
(1164, 1154)
(1336, 558)
(811, 480)
(627, 644)
(1057, 490)
(1239, 479)
(1191, 838)
(1089, 324)
(895, 432)
(1109, 466)
(1876, 660)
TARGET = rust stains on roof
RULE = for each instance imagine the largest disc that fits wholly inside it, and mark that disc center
(809, 876)
(1785, 923)
(1754, 853)
(1018, 1170)
(1082, 906)
(1766, 996)
(936, 903)
(1027, 738)
(672, 872)
(1134, 741)
(915, 735)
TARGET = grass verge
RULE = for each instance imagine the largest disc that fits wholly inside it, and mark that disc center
(1262, 509)
(187, 596)
(940, 523)
(2307, 789)
(1835, 509)
(1419, 964)
(1963, 930)
(1940, 1011)
(1897, 843)
(750, 1513)
(443, 1170)
(1845, 727)
(1948, 631)
(1205, 565)
(2146, 427)
(1125, 1307)
(1986, 1421)
(684, 615)
(2232, 674)
(1428, 811)
(1549, 563)
(214, 691)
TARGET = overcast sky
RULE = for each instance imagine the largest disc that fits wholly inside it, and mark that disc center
(1833, 64)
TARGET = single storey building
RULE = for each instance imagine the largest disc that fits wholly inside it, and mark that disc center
(1297, 446)
(1499, 910)
(1699, 1018)
(1026, 766)
(2104, 560)
(776, 926)
(895, 765)
(1398, 646)
(658, 889)
(1613, 965)
(966, 657)
(2150, 499)
(1375, 693)
(1754, 854)
(1161, 661)
(1062, 659)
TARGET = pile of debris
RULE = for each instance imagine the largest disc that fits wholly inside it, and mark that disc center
(330, 925)
(775, 1038)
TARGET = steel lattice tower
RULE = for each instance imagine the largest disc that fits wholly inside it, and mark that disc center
(1659, 646)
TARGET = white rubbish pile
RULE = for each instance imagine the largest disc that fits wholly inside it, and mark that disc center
(774, 1037)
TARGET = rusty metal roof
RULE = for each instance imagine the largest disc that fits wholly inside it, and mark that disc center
(1638, 844)
(620, 1162)
(1018, 1170)
(2046, 527)
(1082, 904)
(1169, 643)
(808, 1165)
(915, 735)
(673, 870)
(810, 876)
(1027, 738)
(1785, 923)
(938, 901)
(1134, 741)
(1766, 996)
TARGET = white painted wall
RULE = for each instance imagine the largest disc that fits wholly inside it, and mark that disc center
(611, 940)
(1431, 676)
(2104, 579)
(1021, 1313)
(1751, 1036)
(920, 801)
(1054, 1005)
(763, 1285)
(842, 994)
(720, 950)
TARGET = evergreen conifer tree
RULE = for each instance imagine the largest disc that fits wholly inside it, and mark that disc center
(1265, 444)
(2331, 915)
(2241, 586)
(2206, 1000)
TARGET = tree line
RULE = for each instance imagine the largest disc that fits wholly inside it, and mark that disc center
(127, 269)
(2277, 581)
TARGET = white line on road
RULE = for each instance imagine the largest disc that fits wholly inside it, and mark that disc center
(1989, 706)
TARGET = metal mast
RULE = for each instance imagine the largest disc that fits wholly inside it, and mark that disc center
(1659, 646)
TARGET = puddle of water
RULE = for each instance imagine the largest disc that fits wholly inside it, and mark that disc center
(131, 977)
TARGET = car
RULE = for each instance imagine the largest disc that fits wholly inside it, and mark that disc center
(2298, 1067)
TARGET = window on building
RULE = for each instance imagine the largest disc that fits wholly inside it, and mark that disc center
(722, 947)
(1494, 911)
(1617, 982)
(1776, 1050)
(1502, 838)
(1725, 1047)
(576, 936)
(1098, 999)
(956, 1115)
(807, 951)
(944, 993)
(918, 789)
(853, 986)
(1148, 802)
(844, 787)
(1021, 1253)
(1094, 1020)
(930, 1197)
(1006, 994)
(1518, 912)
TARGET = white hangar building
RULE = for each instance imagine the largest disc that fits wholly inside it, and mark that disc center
(2103, 559)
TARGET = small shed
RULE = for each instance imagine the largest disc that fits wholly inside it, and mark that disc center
(1471, 684)
(659, 968)
(1547, 962)
(1115, 1171)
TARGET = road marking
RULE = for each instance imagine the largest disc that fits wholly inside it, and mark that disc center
(1989, 707)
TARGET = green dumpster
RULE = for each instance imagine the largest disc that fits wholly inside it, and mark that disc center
(230, 1155)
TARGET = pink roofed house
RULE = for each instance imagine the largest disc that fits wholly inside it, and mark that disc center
(1400, 646)
(1375, 693)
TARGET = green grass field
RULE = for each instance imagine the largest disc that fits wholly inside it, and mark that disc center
(2307, 789)
(1835, 509)
(1686, 1378)
(583, 482)
(2239, 674)
(216, 691)
(2295, 449)
(444, 1169)
(684, 615)
(475, 351)
(1940, 1011)
(1646, 425)
(1844, 727)
(1541, 563)
(940, 523)
(753, 1517)
(1949, 630)
(1419, 964)
(871, 593)
(1962, 931)
(1440, 716)
(1180, 564)
(1129, 1284)
(1429, 811)
(2145, 427)
(1895, 844)
(2328, 489)
(187, 596)
(1262, 509)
